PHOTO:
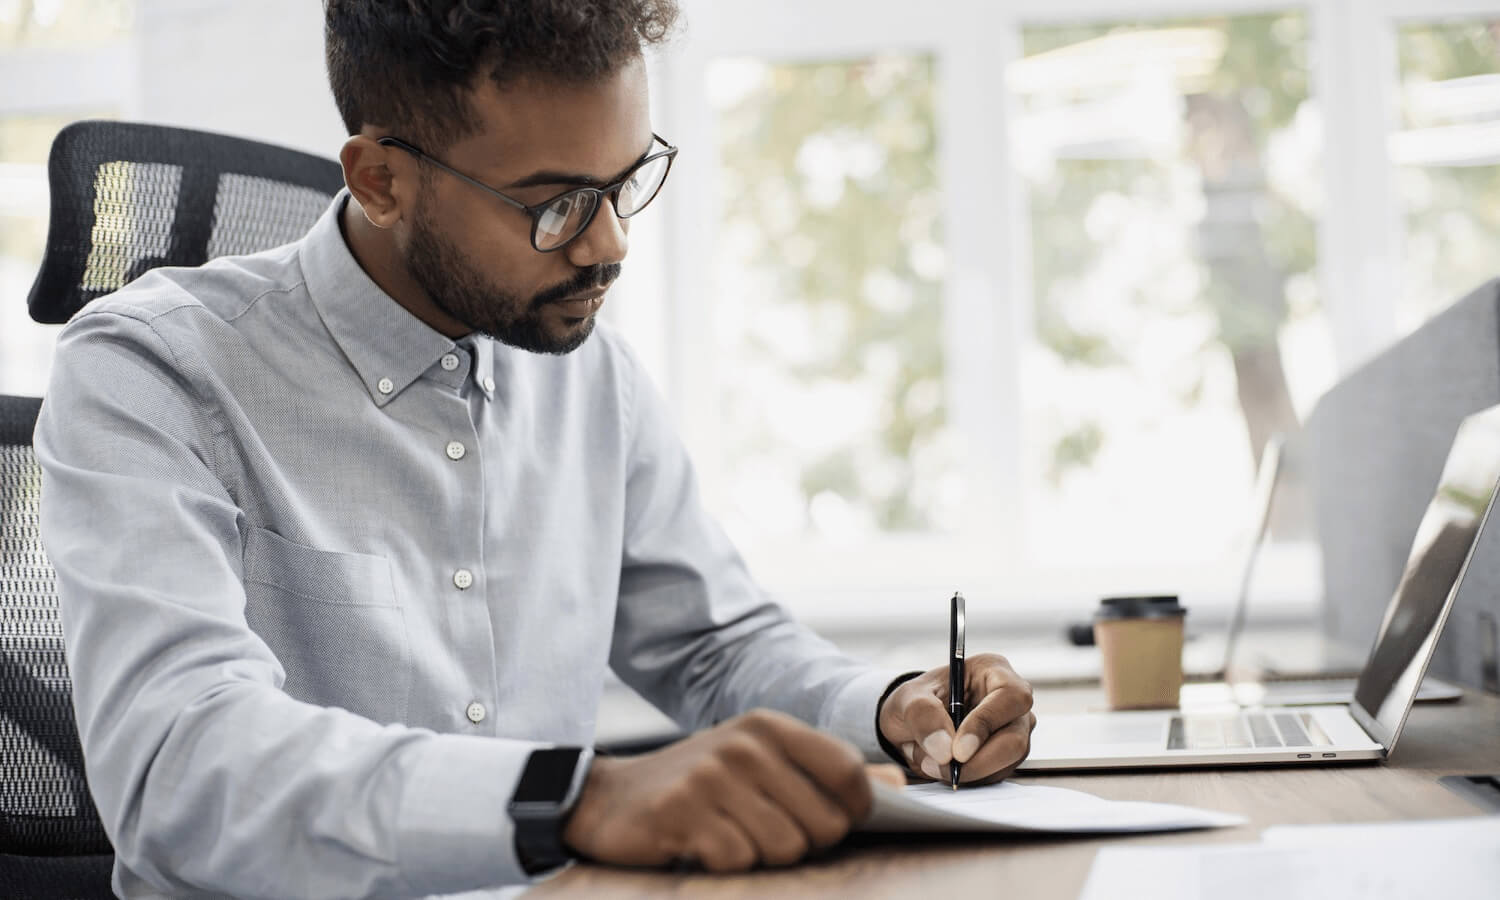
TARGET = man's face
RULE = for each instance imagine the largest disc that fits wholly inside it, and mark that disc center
(472, 253)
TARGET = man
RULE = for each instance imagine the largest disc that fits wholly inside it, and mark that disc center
(346, 532)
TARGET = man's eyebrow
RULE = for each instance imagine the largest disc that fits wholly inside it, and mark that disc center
(548, 176)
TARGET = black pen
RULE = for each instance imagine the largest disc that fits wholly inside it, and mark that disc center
(956, 672)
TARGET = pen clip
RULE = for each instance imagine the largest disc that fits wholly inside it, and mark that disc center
(956, 627)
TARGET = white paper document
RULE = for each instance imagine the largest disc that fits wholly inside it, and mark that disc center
(1429, 835)
(1026, 808)
(1455, 859)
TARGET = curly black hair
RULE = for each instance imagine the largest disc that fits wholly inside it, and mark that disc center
(406, 65)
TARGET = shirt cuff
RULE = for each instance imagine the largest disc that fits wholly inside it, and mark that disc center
(454, 833)
(889, 748)
(851, 712)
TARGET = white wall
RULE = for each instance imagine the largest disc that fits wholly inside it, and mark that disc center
(252, 69)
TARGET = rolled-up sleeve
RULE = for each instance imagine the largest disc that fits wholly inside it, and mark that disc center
(209, 778)
(694, 634)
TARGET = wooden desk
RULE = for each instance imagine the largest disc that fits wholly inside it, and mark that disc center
(1440, 739)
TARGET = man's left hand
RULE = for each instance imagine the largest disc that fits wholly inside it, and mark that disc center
(995, 735)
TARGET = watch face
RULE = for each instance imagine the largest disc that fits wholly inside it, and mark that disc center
(548, 775)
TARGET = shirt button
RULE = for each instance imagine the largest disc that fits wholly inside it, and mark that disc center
(385, 385)
(475, 712)
(489, 384)
(463, 579)
(456, 450)
(449, 362)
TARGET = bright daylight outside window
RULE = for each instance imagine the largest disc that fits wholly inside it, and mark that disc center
(828, 276)
(63, 24)
(1171, 175)
(34, 29)
(1447, 155)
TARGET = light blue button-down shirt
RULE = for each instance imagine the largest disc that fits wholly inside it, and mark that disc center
(328, 577)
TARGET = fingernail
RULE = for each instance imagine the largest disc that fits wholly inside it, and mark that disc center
(930, 769)
(939, 746)
(964, 747)
(910, 749)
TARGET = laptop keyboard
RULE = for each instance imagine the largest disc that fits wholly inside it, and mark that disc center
(1292, 732)
(1249, 729)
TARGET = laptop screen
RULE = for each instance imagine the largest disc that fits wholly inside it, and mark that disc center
(1267, 477)
(1434, 569)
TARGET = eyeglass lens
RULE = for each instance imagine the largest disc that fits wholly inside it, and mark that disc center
(566, 216)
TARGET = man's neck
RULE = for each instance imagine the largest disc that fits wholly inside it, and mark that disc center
(375, 250)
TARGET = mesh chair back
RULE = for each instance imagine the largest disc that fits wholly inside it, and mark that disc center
(44, 801)
(125, 198)
(128, 197)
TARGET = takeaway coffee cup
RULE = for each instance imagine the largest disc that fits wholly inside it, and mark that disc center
(1140, 647)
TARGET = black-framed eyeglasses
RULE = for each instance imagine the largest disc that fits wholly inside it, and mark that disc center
(558, 221)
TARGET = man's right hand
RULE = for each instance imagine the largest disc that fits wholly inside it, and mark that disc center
(762, 788)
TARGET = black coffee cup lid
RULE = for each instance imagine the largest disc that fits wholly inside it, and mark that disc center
(1140, 606)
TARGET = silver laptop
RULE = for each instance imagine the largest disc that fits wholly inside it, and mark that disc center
(1367, 727)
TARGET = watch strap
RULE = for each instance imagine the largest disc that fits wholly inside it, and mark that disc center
(539, 825)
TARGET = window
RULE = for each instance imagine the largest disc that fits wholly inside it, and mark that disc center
(827, 299)
(1175, 317)
(63, 24)
(68, 53)
(996, 296)
(1016, 314)
(1447, 154)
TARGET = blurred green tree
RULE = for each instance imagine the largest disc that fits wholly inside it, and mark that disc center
(1249, 239)
(1451, 206)
(829, 173)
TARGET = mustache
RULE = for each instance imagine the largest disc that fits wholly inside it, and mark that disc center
(592, 278)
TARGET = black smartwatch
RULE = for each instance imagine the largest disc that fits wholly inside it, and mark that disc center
(544, 798)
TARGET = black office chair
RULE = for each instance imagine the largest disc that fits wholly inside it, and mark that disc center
(125, 198)
(45, 809)
(128, 197)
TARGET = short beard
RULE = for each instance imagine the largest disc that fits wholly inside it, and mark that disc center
(461, 293)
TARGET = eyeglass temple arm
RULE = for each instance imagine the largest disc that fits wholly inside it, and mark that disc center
(414, 151)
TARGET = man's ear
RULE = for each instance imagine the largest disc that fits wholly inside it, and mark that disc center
(373, 184)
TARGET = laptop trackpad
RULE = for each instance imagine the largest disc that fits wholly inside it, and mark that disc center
(1148, 730)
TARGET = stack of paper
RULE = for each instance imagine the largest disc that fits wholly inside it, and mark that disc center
(1454, 859)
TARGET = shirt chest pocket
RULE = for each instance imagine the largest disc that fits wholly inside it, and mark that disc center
(333, 621)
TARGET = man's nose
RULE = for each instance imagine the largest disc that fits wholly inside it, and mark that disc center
(604, 242)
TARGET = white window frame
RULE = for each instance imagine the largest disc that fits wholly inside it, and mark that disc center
(988, 285)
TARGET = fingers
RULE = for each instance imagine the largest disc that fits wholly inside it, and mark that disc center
(801, 804)
(789, 789)
(832, 765)
(915, 718)
(921, 717)
(1004, 697)
(778, 838)
(761, 788)
(920, 762)
(719, 844)
(1005, 750)
(886, 773)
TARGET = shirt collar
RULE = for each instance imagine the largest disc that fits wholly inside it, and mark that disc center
(387, 345)
(483, 370)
